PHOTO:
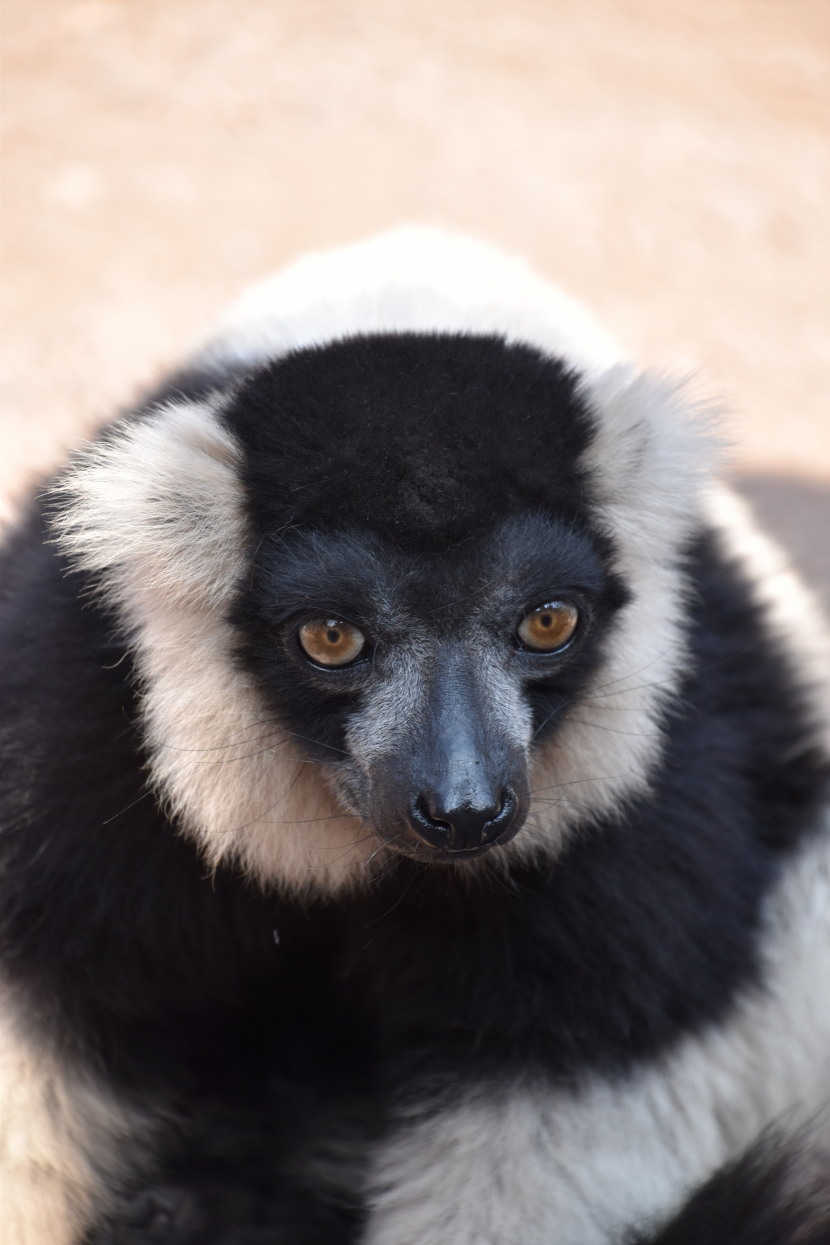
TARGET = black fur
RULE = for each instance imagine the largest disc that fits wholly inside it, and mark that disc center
(269, 1052)
(762, 1199)
(427, 441)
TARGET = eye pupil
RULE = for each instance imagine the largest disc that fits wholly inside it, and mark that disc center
(332, 636)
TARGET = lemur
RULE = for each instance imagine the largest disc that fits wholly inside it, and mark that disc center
(414, 796)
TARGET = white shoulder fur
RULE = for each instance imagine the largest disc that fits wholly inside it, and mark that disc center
(792, 611)
(64, 1139)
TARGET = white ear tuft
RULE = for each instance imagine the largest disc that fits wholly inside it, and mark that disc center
(154, 509)
(652, 456)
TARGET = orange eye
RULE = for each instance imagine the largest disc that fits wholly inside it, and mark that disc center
(548, 628)
(331, 642)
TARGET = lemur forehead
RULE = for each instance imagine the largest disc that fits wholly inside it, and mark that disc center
(424, 438)
(519, 562)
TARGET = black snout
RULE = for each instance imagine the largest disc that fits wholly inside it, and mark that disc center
(458, 785)
(465, 827)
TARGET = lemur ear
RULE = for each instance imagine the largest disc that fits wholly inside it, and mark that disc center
(154, 510)
(650, 463)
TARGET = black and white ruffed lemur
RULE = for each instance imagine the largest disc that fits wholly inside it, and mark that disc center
(414, 797)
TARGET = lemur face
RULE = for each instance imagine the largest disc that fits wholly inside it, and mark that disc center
(420, 684)
(417, 626)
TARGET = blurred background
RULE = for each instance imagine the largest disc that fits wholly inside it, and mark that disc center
(666, 162)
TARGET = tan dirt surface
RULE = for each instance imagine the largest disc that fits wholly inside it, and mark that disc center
(667, 162)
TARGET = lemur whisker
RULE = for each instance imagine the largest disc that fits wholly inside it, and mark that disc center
(127, 807)
(614, 730)
(572, 782)
(386, 843)
(223, 747)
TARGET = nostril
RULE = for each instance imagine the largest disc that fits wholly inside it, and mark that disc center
(436, 831)
(494, 827)
(464, 827)
(427, 816)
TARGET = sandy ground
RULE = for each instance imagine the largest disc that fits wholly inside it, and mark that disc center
(667, 162)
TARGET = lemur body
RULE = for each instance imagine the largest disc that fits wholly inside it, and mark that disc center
(414, 797)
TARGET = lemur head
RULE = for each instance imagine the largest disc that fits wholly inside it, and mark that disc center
(406, 590)
(428, 593)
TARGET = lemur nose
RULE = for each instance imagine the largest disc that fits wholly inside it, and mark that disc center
(461, 828)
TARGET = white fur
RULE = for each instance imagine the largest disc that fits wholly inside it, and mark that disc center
(64, 1139)
(792, 612)
(411, 280)
(577, 1166)
(157, 512)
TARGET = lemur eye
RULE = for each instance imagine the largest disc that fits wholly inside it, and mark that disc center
(331, 642)
(549, 627)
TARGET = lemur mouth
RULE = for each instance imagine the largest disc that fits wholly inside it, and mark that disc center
(417, 850)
